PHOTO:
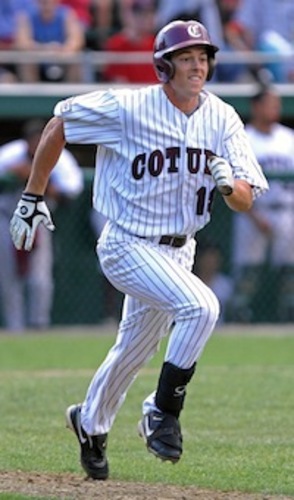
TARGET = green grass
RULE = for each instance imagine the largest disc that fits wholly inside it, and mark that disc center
(237, 423)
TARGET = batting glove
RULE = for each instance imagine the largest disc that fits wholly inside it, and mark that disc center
(31, 210)
(222, 173)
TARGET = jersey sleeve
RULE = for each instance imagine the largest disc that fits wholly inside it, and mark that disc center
(92, 118)
(239, 153)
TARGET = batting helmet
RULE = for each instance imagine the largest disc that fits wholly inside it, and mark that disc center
(178, 35)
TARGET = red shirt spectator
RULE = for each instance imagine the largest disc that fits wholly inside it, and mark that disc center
(136, 36)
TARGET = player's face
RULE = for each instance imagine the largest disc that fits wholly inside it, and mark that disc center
(191, 69)
(269, 108)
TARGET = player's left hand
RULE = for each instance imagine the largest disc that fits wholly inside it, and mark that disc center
(222, 173)
(31, 210)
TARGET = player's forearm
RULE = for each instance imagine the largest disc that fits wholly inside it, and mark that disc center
(46, 156)
(241, 199)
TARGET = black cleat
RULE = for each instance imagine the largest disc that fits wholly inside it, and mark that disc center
(93, 448)
(162, 435)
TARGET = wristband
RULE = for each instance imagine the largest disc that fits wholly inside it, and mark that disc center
(32, 197)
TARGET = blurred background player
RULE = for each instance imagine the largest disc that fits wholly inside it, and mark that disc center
(264, 236)
(26, 279)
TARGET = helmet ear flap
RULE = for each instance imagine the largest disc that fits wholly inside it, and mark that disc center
(164, 69)
(211, 66)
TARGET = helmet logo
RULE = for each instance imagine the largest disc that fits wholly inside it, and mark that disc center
(194, 31)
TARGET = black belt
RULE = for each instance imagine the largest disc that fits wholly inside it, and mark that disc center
(173, 241)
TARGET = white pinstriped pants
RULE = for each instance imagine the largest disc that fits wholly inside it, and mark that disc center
(160, 291)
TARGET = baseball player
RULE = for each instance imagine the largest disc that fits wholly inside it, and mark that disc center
(26, 280)
(162, 152)
(264, 235)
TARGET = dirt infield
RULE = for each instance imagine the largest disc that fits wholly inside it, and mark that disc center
(75, 487)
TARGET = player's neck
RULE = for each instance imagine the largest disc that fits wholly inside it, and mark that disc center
(262, 126)
(186, 105)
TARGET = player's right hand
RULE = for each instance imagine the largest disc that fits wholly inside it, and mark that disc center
(31, 210)
(222, 173)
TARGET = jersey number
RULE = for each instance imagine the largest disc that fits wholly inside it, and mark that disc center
(202, 195)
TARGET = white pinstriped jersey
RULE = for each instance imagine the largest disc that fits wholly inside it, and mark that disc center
(151, 175)
(151, 179)
(275, 152)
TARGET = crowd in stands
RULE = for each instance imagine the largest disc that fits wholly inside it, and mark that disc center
(60, 30)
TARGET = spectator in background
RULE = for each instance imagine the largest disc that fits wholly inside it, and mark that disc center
(264, 237)
(208, 267)
(8, 16)
(229, 72)
(9, 10)
(55, 30)
(26, 280)
(106, 20)
(268, 26)
(136, 36)
(82, 10)
(7, 30)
